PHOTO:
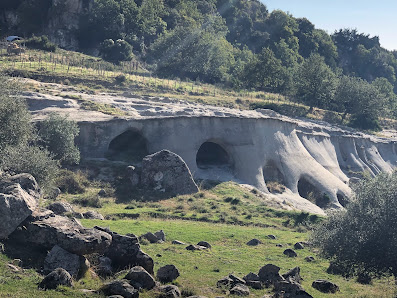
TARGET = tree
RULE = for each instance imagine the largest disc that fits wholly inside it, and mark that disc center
(116, 51)
(315, 82)
(57, 134)
(362, 238)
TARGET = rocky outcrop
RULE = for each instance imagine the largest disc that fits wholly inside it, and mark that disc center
(19, 196)
(45, 229)
(166, 172)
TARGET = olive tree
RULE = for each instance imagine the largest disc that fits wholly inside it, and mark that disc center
(362, 238)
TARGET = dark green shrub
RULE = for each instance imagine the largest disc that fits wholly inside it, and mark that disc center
(71, 182)
(363, 121)
(116, 51)
(362, 238)
(57, 134)
(92, 201)
(40, 43)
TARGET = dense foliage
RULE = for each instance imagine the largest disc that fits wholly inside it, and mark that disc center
(242, 45)
(362, 238)
(22, 150)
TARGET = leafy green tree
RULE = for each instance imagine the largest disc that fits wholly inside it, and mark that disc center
(315, 82)
(361, 239)
(58, 134)
(116, 51)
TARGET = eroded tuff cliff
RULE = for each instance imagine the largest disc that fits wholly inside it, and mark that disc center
(310, 164)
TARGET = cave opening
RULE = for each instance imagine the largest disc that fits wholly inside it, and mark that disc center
(273, 177)
(308, 191)
(211, 155)
(130, 146)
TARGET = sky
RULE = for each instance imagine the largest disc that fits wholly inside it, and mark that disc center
(369, 17)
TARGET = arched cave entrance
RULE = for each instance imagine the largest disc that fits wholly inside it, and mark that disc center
(308, 191)
(130, 146)
(211, 155)
(273, 177)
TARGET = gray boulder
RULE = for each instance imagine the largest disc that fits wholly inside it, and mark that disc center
(269, 274)
(204, 243)
(120, 287)
(325, 286)
(167, 273)
(154, 238)
(93, 215)
(309, 259)
(169, 291)
(166, 172)
(299, 245)
(58, 277)
(293, 274)
(254, 242)
(252, 280)
(60, 258)
(19, 197)
(290, 289)
(104, 267)
(125, 251)
(195, 247)
(160, 235)
(46, 229)
(240, 290)
(61, 208)
(140, 278)
(177, 242)
(290, 253)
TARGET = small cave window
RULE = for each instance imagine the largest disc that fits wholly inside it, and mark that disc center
(342, 200)
(308, 191)
(273, 177)
(130, 146)
(212, 155)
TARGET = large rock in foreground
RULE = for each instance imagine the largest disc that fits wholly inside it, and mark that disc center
(166, 172)
(46, 229)
(19, 196)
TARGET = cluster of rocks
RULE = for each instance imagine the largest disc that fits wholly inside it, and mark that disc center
(67, 242)
(63, 208)
(287, 285)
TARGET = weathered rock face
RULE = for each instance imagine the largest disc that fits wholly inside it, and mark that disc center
(60, 258)
(46, 229)
(125, 251)
(166, 172)
(19, 196)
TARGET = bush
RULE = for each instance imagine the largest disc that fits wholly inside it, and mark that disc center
(58, 134)
(116, 51)
(363, 121)
(91, 201)
(362, 238)
(40, 43)
(30, 159)
(71, 182)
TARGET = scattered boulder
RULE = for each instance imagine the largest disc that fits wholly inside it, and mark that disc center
(195, 247)
(157, 237)
(19, 197)
(225, 282)
(120, 287)
(169, 291)
(104, 267)
(125, 251)
(160, 235)
(271, 237)
(60, 208)
(45, 229)
(102, 193)
(290, 289)
(58, 277)
(298, 245)
(309, 259)
(279, 245)
(236, 280)
(293, 274)
(290, 253)
(204, 243)
(252, 280)
(93, 215)
(325, 286)
(166, 172)
(254, 242)
(167, 273)
(240, 290)
(269, 274)
(60, 258)
(177, 242)
(140, 278)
